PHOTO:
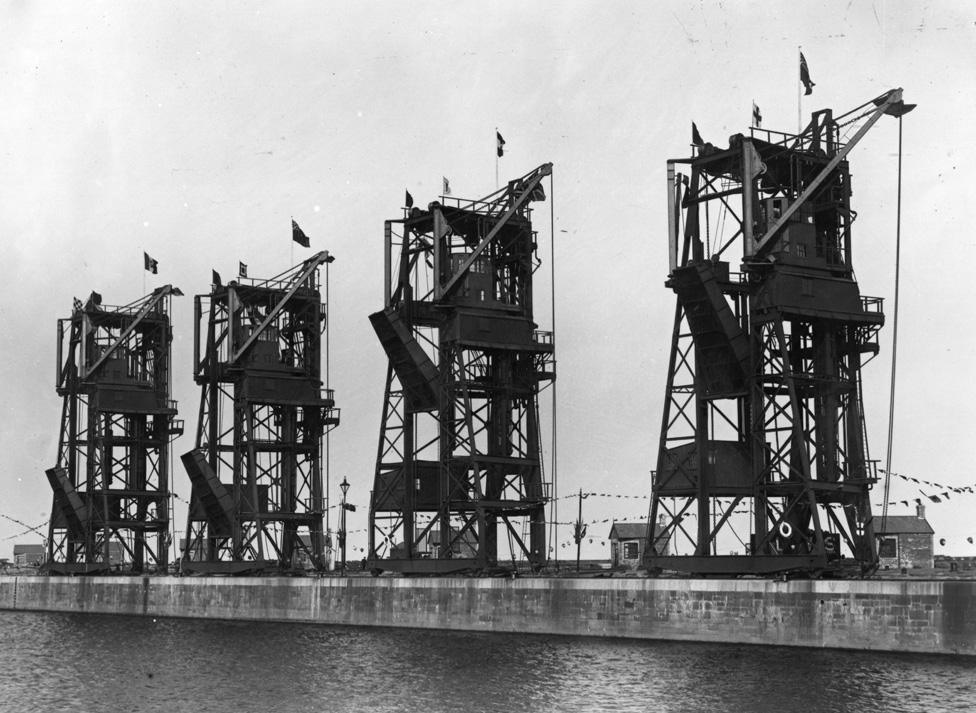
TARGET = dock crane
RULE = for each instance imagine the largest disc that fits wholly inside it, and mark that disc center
(763, 464)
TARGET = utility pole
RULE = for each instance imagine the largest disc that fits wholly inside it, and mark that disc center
(579, 531)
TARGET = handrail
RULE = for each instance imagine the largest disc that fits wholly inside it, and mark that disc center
(872, 304)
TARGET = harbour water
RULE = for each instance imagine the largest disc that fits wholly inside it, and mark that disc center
(95, 663)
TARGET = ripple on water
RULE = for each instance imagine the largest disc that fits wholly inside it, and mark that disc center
(72, 662)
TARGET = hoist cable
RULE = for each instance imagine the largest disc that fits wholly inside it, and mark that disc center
(894, 342)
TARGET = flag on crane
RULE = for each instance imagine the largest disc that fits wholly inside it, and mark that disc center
(298, 235)
(215, 277)
(756, 116)
(243, 269)
(696, 139)
(408, 199)
(500, 143)
(447, 186)
(150, 264)
(805, 76)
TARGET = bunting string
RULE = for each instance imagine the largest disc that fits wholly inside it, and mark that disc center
(37, 528)
(943, 491)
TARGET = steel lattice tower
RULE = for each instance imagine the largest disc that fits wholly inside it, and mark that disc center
(111, 482)
(257, 499)
(459, 463)
(763, 462)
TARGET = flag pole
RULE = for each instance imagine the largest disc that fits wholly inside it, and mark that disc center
(143, 272)
(799, 99)
(496, 158)
(291, 243)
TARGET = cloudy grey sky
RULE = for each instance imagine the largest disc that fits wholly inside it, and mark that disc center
(195, 131)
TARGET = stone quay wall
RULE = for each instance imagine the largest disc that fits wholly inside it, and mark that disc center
(889, 615)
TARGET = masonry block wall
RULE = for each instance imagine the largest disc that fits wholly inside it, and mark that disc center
(916, 550)
(916, 616)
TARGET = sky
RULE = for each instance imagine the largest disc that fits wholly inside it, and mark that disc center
(196, 132)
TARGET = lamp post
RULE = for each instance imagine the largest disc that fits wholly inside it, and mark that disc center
(344, 487)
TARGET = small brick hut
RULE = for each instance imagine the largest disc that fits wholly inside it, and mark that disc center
(29, 555)
(627, 543)
(905, 541)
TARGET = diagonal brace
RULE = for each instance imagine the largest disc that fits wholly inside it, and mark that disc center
(158, 295)
(887, 105)
(311, 265)
(528, 187)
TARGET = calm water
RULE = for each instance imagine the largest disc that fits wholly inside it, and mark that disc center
(71, 662)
